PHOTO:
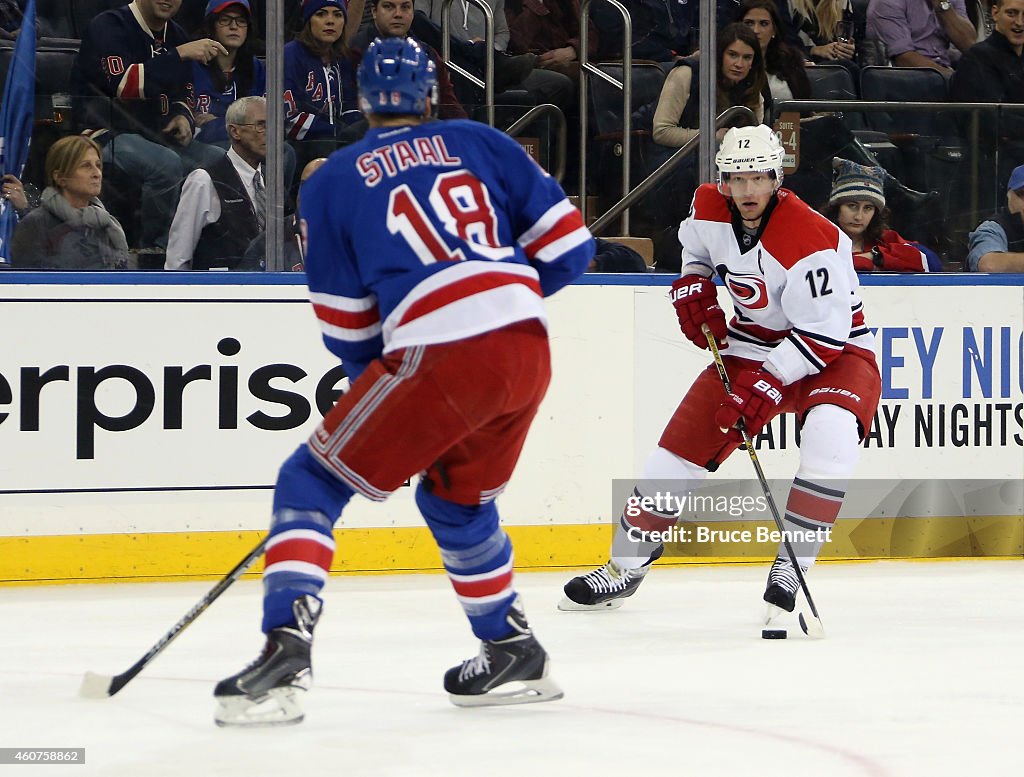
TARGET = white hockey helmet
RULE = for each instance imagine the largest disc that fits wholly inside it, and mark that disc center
(750, 150)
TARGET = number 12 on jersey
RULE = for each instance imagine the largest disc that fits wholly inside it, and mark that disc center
(460, 202)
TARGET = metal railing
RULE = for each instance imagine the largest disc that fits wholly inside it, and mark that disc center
(487, 84)
(664, 169)
(536, 112)
(973, 132)
(626, 85)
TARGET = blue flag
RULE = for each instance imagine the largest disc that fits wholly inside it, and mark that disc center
(17, 115)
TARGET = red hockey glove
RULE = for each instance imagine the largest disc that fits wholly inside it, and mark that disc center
(756, 396)
(696, 303)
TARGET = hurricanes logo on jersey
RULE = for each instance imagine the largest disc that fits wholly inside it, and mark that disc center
(749, 291)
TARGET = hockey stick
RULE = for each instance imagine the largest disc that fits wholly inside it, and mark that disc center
(98, 686)
(812, 627)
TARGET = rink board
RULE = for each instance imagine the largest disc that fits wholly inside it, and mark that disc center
(142, 419)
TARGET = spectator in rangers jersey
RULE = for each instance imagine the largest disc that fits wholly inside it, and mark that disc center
(224, 79)
(319, 77)
(857, 206)
(392, 19)
(223, 208)
(997, 245)
(439, 322)
(131, 85)
(797, 343)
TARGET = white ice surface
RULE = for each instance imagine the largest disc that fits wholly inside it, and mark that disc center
(921, 675)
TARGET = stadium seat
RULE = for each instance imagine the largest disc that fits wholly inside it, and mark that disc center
(929, 145)
(55, 19)
(907, 85)
(831, 82)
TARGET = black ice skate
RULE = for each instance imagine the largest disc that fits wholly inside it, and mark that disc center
(602, 589)
(263, 694)
(782, 587)
(511, 670)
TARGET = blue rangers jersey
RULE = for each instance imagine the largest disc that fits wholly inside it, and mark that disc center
(319, 99)
(434, 233)
(209, 99)
(128, 79)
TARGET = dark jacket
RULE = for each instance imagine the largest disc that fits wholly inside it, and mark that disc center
(545, 26)
(450, 107)
(42, 241)
(124, 80)
(992, 72)
(223, 243)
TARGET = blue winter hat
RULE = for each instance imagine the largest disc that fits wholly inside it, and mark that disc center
(216, 6)
(1016, 182)
(857, 182)
(310, 7)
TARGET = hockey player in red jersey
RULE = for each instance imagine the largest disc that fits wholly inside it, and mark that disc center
(430, 246)
(797, 343)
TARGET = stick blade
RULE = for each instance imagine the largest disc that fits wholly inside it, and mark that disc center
(812, 626)
(96, 686)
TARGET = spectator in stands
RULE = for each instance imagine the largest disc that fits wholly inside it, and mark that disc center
(229, 76)
(741, 81)
(551, 31)
(468, 48)
(319, 77)
(225, 78)
(223, 208)
(131, 86)
(857, 206)
(662, 31)
(993, 71)
(997, 245)
(783, 62)
(615, 257)
(393, 19)
(823, 30)
(919, 33)
(15, 192)
(293, 250)
(71, 230)
(10, 18)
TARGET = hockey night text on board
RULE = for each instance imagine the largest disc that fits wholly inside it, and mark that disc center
(984, 365)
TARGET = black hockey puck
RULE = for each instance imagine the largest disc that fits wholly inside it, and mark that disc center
(773, 633)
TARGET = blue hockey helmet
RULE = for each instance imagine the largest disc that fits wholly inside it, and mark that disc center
(396, 76)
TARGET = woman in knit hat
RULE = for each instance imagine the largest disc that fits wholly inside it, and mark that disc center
(320, 76)
(857, 206)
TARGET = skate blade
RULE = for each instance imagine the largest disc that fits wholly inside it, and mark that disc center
(279, 707)
(529, 692)
(773, 616)
(568, 605)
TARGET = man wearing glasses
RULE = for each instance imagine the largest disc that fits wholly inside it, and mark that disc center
(997, 245)
(223, 207)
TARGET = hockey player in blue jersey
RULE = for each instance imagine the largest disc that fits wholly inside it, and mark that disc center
(439, 320)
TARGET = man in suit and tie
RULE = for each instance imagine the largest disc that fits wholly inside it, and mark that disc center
(222, 208)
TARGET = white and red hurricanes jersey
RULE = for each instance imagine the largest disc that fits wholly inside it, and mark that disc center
(793, 288)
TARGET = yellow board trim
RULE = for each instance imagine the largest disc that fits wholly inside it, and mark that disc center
(209, 555)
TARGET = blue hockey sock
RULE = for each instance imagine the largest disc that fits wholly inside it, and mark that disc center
(477, 554)
(307, 502)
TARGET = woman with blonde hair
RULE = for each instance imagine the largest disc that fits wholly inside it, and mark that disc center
(824, 29)
(71, 230)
